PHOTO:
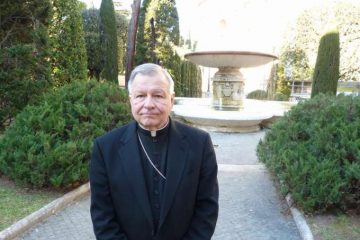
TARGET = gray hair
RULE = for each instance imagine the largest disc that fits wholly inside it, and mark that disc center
(150, 69)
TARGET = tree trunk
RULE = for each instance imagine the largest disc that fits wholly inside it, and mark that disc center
(130, 46)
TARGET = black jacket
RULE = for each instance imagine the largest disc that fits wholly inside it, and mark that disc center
(119, 202)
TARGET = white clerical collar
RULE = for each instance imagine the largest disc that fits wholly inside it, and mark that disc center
(154, 132)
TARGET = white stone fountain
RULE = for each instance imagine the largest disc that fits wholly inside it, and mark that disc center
(228, 82)
(228, 110)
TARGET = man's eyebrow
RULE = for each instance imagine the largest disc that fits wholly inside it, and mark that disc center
(159, 90)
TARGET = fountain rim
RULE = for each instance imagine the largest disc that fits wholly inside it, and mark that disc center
(234, 59)
(244, 53)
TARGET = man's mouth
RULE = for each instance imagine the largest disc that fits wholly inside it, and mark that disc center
(148, 114)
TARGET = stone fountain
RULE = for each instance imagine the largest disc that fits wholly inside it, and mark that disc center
(228, 110)
(228, 82)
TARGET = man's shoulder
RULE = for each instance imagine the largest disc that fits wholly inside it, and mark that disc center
(116, 133)
(189, 130)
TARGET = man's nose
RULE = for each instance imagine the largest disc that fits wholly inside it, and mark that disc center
(149, 101)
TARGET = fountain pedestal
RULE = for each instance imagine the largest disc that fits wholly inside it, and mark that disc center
(228, 89)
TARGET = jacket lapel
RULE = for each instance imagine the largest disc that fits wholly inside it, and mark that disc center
(131, 163)
(176, 159)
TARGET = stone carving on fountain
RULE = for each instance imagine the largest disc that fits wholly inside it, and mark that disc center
(228, 89)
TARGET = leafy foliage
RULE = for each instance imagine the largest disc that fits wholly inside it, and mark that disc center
(257, 94)
(24, 43)
(326, 73)
(108, 42)
(187, 77)
(91, 23)
(158, 31)
(314, 151)
(309, 28)
(56, 136)
(68, 57)
(142, 50)
(282, 83)
(293, 65)
(122, 29)
(158, 37)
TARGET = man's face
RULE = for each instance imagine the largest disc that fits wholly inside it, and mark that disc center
(150, 100)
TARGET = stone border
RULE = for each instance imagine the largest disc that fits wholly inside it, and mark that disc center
(300, 220)
(40, 215)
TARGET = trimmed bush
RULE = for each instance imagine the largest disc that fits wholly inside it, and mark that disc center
(108, 42)
(326, 72)
(280, 97)
(50, 144)
(314, 151)
(257, 94)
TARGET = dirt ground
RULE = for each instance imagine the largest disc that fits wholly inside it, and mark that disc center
(335, 226)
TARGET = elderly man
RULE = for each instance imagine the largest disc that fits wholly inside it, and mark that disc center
(154, 178)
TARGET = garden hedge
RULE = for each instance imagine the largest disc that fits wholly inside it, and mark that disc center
(314, 151)
(49, 144)
(257, 94)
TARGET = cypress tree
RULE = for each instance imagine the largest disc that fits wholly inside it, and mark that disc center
(69, 60)
(91, 22)
(142, 43)
(326, 73)
(108, 41)
(24, 45)
(188, 80)
(122, 29)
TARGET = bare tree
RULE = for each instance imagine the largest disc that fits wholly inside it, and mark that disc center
(130, 46)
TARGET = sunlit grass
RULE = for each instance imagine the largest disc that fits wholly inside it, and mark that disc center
(339, 227)
(16, 202)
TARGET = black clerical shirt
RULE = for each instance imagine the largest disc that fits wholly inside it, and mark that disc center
(156, 148)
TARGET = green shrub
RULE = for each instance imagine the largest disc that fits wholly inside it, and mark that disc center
(108, 42)
(50, 144)
(314, 151)
(257, 94)
(326, 72)
(280, 97)
(23, 78)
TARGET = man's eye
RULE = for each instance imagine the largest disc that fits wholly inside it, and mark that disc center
(140, 96)
(159, 96)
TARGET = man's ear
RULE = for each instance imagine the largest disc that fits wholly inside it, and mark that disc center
(173, 98)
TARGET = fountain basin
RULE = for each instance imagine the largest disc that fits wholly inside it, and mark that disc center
(255, 113)
(234, 59)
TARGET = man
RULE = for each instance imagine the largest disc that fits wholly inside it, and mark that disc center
(154, 178)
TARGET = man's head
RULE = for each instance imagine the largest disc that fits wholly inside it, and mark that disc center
(151, 91)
